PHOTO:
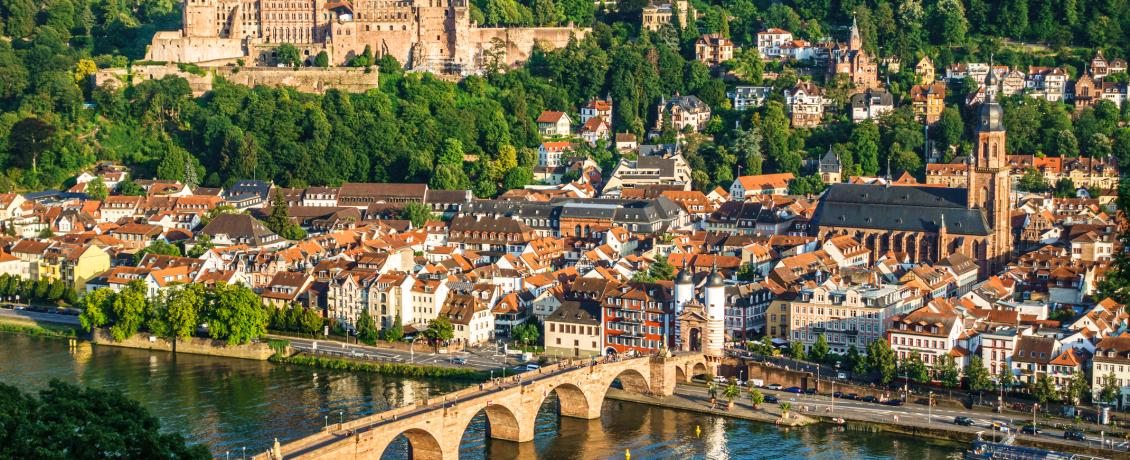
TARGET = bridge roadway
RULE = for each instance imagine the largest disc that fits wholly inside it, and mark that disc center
(435, 426)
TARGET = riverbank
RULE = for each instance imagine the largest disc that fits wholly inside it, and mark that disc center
(767, 413)
(29, 327)
(384, 368)
(814, 411)
(195, 345)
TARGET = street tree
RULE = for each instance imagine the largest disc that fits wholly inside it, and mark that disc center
(526, 333)
(183, 306)
(439, 329)
(366, 327)
(796, 350)
(96, 308)
(394, 333)
(235, 314)
(1043, 390)
(946, 371)
(881, 360)
(819, 350)
(1108, 392)
(1076, 387)
(128, 309)
(977, 376)
(915, 369)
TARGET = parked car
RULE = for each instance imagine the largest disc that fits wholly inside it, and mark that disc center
(893, 402)
(775, 386)
(841, 376)
(962, 420)
(1030, 429)
(770, 399)
(870, 399)
(459, 361)
(756, 383)
(796, 390)
(838, 395)
(852, 396)
(1074, 435)
(532, 367)
(719, 379)
(809, 391)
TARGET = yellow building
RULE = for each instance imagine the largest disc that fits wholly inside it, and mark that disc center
(777, 319)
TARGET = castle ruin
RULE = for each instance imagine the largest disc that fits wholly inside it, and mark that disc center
(428, 35)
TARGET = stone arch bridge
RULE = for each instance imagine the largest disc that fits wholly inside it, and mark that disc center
(435, 427)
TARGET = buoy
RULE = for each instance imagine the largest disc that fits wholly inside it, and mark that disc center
(627, 454)
(697, 431)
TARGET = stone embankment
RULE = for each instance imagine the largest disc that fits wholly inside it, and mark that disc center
(196, 346)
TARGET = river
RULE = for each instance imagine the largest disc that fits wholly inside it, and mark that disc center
(230, 404)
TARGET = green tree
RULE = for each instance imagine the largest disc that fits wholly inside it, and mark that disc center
(526, 333)
(915, 369)
(819, 350)
(394, 333)
(977, 376)
(96, 308)
(61, 424)
(1033, 180)
(662, 270)
(881, 360)
(366, 327)
(439, 329)
(947, 372)
(235, 314)
(865, 145)
(183, 307)
(1109, 390)
(128, 309)
(747, 272)
(796, 350)
(309, 321)
(322, 60)
(159, 247)
(1043, 390)
(288, 55)
(1064, 188)
(1076, 387)
(279, 220)
(417, 213)
(96, 189)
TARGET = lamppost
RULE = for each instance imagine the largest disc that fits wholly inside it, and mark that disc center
(930, 409)
(341, 417)
(412, 348)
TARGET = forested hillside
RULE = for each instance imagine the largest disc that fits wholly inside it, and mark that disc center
(474, 133)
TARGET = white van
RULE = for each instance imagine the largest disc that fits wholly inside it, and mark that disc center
(532, 367)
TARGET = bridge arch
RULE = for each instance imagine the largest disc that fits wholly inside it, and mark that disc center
(632, 380)
(681, 375)
(573, 401)
(698, 369)
(422, 445)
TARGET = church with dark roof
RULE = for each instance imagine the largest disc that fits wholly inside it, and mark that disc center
(930, 223)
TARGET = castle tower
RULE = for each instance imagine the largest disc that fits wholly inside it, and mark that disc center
(989, 183)
(855, 43)
(715, 334)
(684, 290)
(199, 18)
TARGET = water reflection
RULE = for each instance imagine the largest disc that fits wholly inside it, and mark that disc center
(229, 404)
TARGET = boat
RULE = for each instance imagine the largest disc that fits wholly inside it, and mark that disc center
(986, 450)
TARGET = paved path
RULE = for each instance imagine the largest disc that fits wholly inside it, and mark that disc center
(909, 414)
(40, 317)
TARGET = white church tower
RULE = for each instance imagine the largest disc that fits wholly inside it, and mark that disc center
(715, 342)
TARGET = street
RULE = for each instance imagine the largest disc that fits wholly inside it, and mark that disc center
(485, 358)
(37, 316)
(915, 414)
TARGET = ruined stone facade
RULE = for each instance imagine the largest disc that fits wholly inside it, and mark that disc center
(432, 35)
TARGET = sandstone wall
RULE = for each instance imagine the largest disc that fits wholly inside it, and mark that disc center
(307, 79)
(171, 46)
(195, 346)
(310, 80)
(520, 41)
